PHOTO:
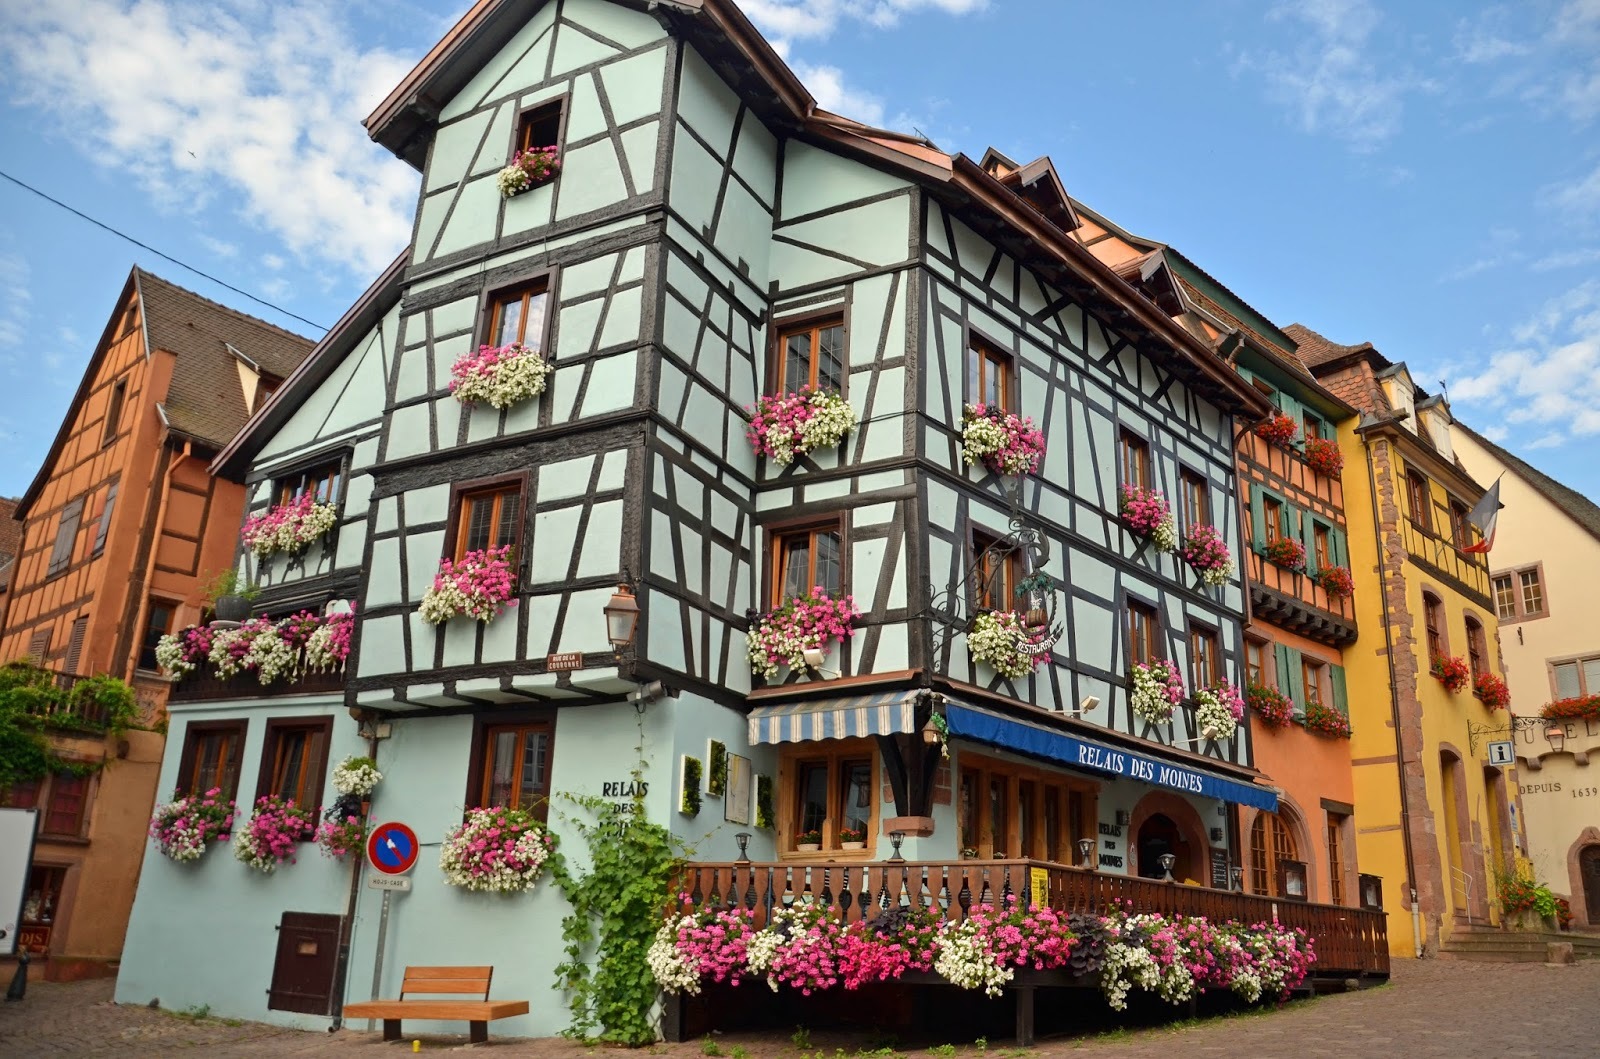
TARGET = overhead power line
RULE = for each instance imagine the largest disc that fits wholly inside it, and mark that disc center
(166, 257)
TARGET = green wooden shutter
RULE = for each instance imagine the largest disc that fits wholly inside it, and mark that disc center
(1281, 653)
(1341, 701)
(1293, 682)
(1339, 548)
(1258, 519)
(1292, 409)
(1286, 519)
(1308, 537)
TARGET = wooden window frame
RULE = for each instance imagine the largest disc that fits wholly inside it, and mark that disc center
(1266, 858)
(1131, 606)
(987, 350)
(979, 540)
(1419, 498)
(1552, 664)
(150, 604)
(39, 644)
(777, 531)
(792, 757)
(489, 309)
(193, 732)
(76, 634)
(564, 104)
(1437, 638)
(814, 323)
(1477, 646)
(1043, 781)
(1510, 578)
(1193, 486)
(1311, 424)
(1271, 517)
(1262, 673)
(1312, 671)
(1131, 442)
(335, 466)
(460, 491)
(1203, 636)
(114, 404)
(1461, 531)
(316, 780)
(59, 873)
(1321, 544)
(484, 725)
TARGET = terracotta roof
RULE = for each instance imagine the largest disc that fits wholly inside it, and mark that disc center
(1574, 504)
(205, 400)
(1315, 350)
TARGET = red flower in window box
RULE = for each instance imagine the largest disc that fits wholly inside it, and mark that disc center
(1324, 457)
(1451, 672)
(1325, 720)
(1492, 690)
(1287, 553)
(1273, 707)
(1280, 430)
(1336, 581)
(1576, 708)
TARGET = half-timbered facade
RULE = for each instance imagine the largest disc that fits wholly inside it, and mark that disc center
(709, 238)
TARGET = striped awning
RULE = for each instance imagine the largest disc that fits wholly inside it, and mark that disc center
(886, 713)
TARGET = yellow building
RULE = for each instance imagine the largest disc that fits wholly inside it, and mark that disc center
(1436, 817)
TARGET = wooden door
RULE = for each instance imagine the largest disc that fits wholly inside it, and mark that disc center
(308, 953)
(1589, 871)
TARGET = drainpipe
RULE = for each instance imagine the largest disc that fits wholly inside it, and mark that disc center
(1394, 710)
(341, 971)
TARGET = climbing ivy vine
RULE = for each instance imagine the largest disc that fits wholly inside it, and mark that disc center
(617, 907)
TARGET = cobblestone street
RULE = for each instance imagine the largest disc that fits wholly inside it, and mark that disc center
(1435, 1008)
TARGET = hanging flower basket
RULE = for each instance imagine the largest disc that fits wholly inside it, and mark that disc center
(273, 834)
(1273, 707)
(1207, 553)
(342, 836)
(1336, 581)
(1157, 690)
(782, 637)
(1492, 690)
(1147, 514)
(1324, 457)
(1006, 443)
(529, 169)
(480, 586)
(1218, 711)
(499, 376)
(1577, 708)
(184, 651)
(1325, 720)
(999, 639)
(328, 647)
(1452, 672)
(788, 424)
(497, 850)
(1280, 430)
(358, 776)
(1287, 553)
(183, 827)
(289, 528)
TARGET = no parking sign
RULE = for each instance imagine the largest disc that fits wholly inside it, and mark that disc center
(392, 849)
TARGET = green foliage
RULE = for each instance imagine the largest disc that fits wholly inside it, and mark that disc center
(717, 772)
(24, 752)
(709, 1047)
(740, 1053)
(943, 1049)
(764, 815)
(1520, 892)
(31, 702)
(616, 910)
(801, 1037)
(106, 697)
(229, 583)
(690, 805)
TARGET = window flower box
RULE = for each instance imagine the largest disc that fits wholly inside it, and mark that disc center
(785, 425)
(1451, 672)
(808, 842)
(1006, 443)
(1207, 554)
(496, 850)
(1324, 457)
(852, 838)
(1287, 553)
(1147, 514)
(342, 835)
(1492, 690)
(1156, 690)
(1336, 581)
(529, 169)
(480, 586)
(273, 834)
(1218, 711)
(288, 528)
(1000, 640)
(1280, 430)
(269, 650)
(499, 376)
(1325, 720)
(782, 637)
(1577, 708)
(1275, 709)
(185, 826)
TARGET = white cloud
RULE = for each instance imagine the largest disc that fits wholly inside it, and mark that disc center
(1547, 441)
(220, 247)
(1495, 433)
(1567, 259)
(1580, 197)
(816, 19)
(833, 92)
(14, 299)
(237, 101)
(1490, 36)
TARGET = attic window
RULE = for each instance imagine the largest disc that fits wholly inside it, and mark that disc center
(541, 126)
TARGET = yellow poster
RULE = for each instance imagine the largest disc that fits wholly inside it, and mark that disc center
(1039, 883)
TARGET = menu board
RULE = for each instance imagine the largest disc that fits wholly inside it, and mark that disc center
(1219, 869)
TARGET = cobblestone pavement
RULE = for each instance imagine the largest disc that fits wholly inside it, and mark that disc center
(1433, 1009)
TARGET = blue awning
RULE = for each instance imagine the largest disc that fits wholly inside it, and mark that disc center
(1051, 745)
(885, 713)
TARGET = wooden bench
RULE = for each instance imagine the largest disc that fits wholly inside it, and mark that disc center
(435, 981)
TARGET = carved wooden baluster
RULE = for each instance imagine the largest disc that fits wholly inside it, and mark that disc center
(846, 898)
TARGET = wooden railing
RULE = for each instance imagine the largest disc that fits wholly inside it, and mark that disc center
(1300, 587)
(197, 687)
(1348, 941)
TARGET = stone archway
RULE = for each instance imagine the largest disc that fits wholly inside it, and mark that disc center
(1583, 874)
(1169, 821)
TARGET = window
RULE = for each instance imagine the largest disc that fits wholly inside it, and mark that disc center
(24, 794)
(517, 314)
(996, 573)
(212, 751)
(43, 898)
(806, 559)
(1010, 810)
(1196, 501)
(1134, 453)
(1460, 525)
(1532, 592)
(832, 790)
(1320, 542)
(104, 525)
(294, 760)
(1579, 677)
(1255, 662)
(812, 355)
(1144, 633)
(1272, 518)
(65, 805)
(988, 375)
(1433, 619)
(119, 393)
(1271, 843)
(540, 126)
(516, 767)
(1313, 426)
(321, 481)
(1205, 667)
(1311, 679)
(488, 517)
(1505, 597)
(1336, 858)
(66, 537)
(1417, 498)
(157, 623)
(1477, 647)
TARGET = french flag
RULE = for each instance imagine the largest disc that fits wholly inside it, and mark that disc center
(1484, 516)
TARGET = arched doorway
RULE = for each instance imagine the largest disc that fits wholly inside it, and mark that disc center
(1457, 829)
(1159, 835)
(1272, 843)
(1589, 872)
(1500, 841)
(1163, 822)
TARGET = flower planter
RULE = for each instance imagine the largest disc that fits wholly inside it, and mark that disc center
(808, 847)
(231, 608)
(1155, 690)
(783, 636)
(1147, 514)
(499, 376)
(1287, 553)
(480, 586)
(1207, 554)
(1008, 444)
(785, 425)
(289, 528)
(1280, 430)
(1000, 640)
(1324, 457)
(852, 845)
(529, 169)
(1453, 673)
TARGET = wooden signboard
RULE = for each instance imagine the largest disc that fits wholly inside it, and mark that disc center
(564, 663)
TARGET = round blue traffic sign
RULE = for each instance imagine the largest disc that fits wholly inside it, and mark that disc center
(392, 849)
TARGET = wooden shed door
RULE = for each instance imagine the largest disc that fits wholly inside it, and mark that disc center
(302, 975)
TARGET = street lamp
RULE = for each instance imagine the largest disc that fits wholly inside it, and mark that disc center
(1556, 736)
(622, 618)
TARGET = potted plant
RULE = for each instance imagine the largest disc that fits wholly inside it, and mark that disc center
(1492, 690)
(808, 842)
(1280, 430)
(1155, 689)
(1336, 581)
(784, 425)
(852, 838)
(1147, 514)
(229, 595)
(1273, 707)
(1287, 553)
(1008, 444)
(1451, 672)
(1324, 457)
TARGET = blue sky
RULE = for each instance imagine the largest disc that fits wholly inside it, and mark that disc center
(1425, 176)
